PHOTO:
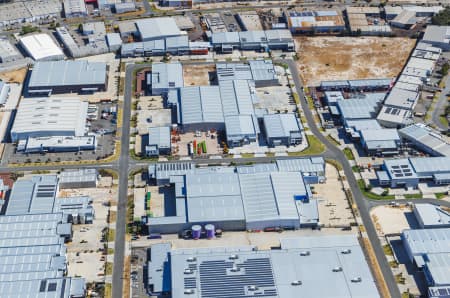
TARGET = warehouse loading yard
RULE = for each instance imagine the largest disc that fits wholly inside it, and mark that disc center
(345, 58)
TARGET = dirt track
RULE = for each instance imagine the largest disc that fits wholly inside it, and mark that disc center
(340, 58)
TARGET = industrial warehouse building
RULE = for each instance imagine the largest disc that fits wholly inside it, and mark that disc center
(430, 216)
(246, 271)
(157, 28)
(51, 125)
(228, 106)
(33, 247)
(32, 235)
(282, 129)
(41, 47)
(425, 139)
(438, 36)
(239, 198)
(357, 85)
(55, 77)
(8, 52)
(165, 77)
(226, 42)
(321, 21)
(82, 178)
(408, 172)
(397, 110)
(74, 8)
(159, 141)
(38, 195)
(429, 251)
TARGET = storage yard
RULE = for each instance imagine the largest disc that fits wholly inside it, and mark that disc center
(344, 58)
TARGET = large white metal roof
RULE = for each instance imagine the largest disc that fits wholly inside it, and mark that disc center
(42, 47)
(47, 115)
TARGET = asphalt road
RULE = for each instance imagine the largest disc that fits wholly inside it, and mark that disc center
(360, 201)
(119, 245)
(440, 105)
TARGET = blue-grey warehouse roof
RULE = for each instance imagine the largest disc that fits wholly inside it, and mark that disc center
(64, 73)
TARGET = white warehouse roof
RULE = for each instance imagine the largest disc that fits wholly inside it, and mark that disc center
(46, 117)
(41, 47)
(156, 28)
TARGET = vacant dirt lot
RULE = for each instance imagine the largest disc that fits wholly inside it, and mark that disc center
(340, 58)
(16, 76)
(197, 75)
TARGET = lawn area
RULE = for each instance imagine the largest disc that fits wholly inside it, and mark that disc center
(348, 153)
(108, 268)
(314, 147)
(333, 140)
(108, 291)
(387, 250)
(368, 194)
(414, 196)
(111, 235)
(247, 155)
(110, 251)
(356, 169)
(440, 195)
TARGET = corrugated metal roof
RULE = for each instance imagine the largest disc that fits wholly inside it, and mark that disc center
(431, 164)
(427, 241)
(44, 116)
(167, 75)
(201, 104)
(159, 136)
(431, 215)
(67, 73)
(236, 97)
(281, 125)
(155, 28)
(263, 70)
(427, 137)
(305, 165)
(239, 126)
(387, 134)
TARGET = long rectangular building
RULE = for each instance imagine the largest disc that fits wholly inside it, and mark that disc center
(338, 262)
(67, 77)
(45, 117)
(239, 198)
(408, 172)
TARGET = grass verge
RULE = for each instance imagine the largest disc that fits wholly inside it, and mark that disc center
(108, 290)
(108, 268)
(315, 147)
(387, 250)
(368, 194)
(111, 235)
(440, 195)
(414, 196)
(348, 153)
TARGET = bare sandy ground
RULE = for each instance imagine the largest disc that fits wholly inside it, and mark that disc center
(344, 58)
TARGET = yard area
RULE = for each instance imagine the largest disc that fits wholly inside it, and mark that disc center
(16, 76)
(198, 75)
(344, 58)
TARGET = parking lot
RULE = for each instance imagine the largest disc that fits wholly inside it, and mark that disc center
(103, 126)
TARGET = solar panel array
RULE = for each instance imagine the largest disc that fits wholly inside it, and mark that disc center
(250, 278)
